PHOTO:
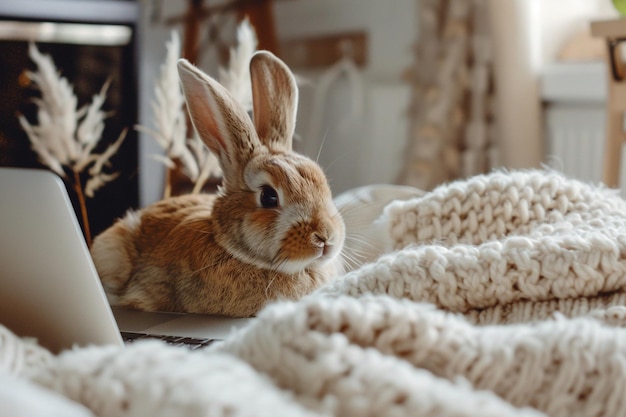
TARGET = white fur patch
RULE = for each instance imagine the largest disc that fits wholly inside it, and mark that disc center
(132, 219)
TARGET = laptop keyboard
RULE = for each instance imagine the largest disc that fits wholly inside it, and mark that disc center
(188, 342)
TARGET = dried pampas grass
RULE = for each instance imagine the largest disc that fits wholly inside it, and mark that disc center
(181, 147)
(236, 78)
(65, 136)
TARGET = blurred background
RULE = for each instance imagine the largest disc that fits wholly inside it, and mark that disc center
(416, 92)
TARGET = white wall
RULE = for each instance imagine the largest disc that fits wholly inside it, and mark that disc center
(555, 21)
(363, 145)
(390, 25)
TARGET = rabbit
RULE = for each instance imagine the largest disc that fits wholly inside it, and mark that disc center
(271, 232)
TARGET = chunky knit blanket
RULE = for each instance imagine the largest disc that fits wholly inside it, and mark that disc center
(500, 295)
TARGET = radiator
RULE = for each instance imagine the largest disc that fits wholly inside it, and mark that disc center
(575, 142)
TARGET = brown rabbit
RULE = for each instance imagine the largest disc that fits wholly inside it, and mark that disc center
(272, 232)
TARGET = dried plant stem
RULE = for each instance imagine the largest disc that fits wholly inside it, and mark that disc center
(167, 186)
(83, 206)
(197, 187)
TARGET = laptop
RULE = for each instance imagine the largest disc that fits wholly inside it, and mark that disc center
(49, 287)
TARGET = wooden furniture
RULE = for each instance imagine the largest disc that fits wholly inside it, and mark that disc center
(614, 33)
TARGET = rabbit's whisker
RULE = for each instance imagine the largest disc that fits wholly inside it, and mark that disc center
(349, 262)
(338, 158)
(357, 204)
(205, 267)
(337, 216)
(278, 261)
(202, 231)
(354, 254)
(269, 284)
(319, 151)
(359, 239)
(346, 211)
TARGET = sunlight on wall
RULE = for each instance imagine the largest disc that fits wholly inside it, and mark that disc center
(555, 21)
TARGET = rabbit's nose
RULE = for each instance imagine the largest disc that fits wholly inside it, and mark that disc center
(323, 242)
(328, 248)
(319, 239)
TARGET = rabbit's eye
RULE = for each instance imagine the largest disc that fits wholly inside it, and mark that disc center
(268, 197)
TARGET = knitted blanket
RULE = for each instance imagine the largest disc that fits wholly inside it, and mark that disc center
(500, 295)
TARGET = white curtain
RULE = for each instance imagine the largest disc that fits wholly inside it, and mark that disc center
(475, 102)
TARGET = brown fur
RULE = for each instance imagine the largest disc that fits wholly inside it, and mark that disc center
(226, 254)
(183, 272)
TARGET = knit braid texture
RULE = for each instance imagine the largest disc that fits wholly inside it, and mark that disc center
(502, 248)
(501, 295)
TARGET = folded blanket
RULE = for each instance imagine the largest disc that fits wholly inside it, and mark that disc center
(502, 248)
(500, 295)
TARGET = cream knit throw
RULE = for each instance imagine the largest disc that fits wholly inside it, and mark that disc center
(503, 248)
(503, 297)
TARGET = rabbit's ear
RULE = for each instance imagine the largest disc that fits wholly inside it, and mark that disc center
(222, 124)
(274, 100)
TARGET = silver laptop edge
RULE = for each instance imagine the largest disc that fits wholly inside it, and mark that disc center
(49, 287)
